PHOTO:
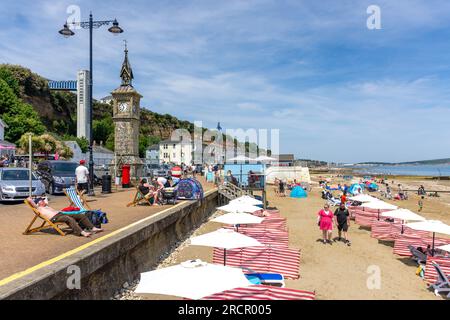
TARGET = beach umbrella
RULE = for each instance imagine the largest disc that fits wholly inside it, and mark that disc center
(193, 279)
(264, 159)
(433, 226)
(225, 239)
(379, 205)
(246, 200)
(237, 218)
(445, 248)
(403, 214)
(363, 198)
(239, 207)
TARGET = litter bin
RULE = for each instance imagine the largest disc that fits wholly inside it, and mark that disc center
(106, 183)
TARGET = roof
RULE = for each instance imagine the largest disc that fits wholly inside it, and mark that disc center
(285, 157)
(153, 147)
(6, 144)
(107, 98)
(100, 149)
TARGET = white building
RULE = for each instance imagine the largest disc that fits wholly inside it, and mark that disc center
(83, 103)
(5, 146)
(107, 99)
(152, 154)
(176, 152)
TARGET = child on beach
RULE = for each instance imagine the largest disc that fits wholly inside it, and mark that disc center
(421, 203)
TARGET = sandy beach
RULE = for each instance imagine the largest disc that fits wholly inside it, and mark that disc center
(332, 271)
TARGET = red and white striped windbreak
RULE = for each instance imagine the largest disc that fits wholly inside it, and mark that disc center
(430, 271)
(267, 213)
(416, 240)
(386, 231)
(261, 292)
(263, 259)
(279, 238)
(365, 219)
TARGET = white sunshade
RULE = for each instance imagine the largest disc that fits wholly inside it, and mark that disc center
(430, 226)
(240, 159)
(363, 198)
(265, 158)
(238, 218)
(246, 200)
(380, 205)
(403, 214)
(191, 279)
(444, 248)
(239, 207)
(225, 239)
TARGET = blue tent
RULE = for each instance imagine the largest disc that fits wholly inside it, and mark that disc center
(372, 187)
(298, 192)
(189, 189)
(353, 189)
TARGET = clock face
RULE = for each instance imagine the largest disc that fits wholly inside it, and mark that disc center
(123, 106)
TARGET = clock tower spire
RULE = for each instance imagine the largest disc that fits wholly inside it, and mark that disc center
(126, 116)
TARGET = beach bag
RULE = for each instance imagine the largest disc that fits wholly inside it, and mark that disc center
(97, 217)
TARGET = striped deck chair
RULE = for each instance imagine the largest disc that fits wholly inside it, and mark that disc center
(442, 282)
(75, 200)
(82, 195)
(431, 275)
(262, 292)
(263, 259)
(139, 198)
(46, 224)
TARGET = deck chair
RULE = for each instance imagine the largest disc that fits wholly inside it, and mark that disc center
(442, 284)
(269, 279)
(45, 224)
(139, 198)
(75, 200)
(82, 195)
(417, 256)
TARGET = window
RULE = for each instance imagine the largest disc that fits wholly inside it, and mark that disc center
(174, 155)
(166, 146)
(174, 146)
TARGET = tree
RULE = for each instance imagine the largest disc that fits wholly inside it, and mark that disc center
(21, 119)
(10, 80)
(83, 143)
(36, 142)
(102, 129)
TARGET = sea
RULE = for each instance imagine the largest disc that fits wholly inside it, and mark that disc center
(406, 170)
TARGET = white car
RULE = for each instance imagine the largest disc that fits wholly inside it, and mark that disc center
(15, 184)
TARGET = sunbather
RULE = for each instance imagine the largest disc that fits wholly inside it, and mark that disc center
(147, 190)
(72, 220)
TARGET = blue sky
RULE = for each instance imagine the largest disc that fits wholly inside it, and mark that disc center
(336, 90)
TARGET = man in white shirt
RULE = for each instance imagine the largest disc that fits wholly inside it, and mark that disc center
(82, 176)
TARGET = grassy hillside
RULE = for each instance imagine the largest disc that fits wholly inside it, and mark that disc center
(56, 110)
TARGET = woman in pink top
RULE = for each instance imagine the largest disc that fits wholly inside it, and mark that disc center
(325, 221)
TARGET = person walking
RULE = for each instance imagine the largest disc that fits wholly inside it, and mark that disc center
(82, 176)
(325, 222)
(421, 203)
(342, 218)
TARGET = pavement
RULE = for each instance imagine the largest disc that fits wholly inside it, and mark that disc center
(20, 252)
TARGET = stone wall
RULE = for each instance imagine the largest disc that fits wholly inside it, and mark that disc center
(120, 258)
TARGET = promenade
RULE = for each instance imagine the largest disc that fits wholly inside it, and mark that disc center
(20, 252)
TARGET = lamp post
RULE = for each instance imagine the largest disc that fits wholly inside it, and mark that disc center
(67, 32)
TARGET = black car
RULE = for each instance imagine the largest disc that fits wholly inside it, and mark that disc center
(57, 175)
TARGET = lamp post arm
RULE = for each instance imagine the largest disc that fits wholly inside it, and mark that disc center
(95, 24)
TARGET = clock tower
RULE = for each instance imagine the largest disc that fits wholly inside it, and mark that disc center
(126, 116)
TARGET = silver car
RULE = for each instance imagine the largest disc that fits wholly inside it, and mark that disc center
(15, 184)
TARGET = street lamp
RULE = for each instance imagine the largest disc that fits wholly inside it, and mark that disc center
(67, 32)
